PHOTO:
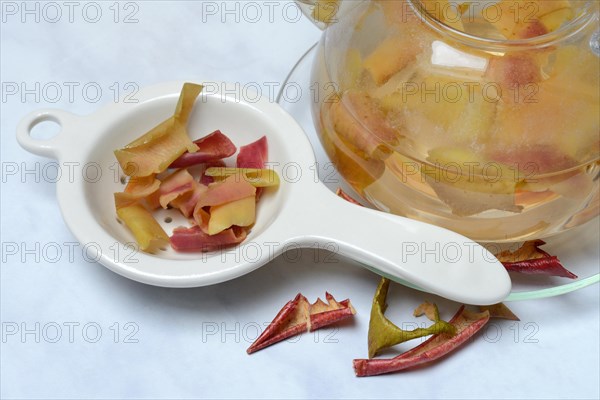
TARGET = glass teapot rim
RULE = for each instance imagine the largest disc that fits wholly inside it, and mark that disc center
(588, 14)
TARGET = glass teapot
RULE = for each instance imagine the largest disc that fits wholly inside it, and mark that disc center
(479, 116)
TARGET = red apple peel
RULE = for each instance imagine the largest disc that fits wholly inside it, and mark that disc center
(467, 324)
(299, 316)
(530, 259)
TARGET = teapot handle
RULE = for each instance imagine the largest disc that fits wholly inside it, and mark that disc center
(322, 13)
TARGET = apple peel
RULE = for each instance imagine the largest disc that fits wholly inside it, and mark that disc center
(346, 197)
(153, 152)
(195, 239)
(137, 189)
(428, 309)
(187, 201)
(254, 155)
(500, 311)
(299, 316)
(256, 177)
(147, 232)
(466, 324)
(383, 333)
(212, 147)
(175, 185)
(530, 259)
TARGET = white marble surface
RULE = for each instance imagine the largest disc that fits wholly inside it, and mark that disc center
(167, 343)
